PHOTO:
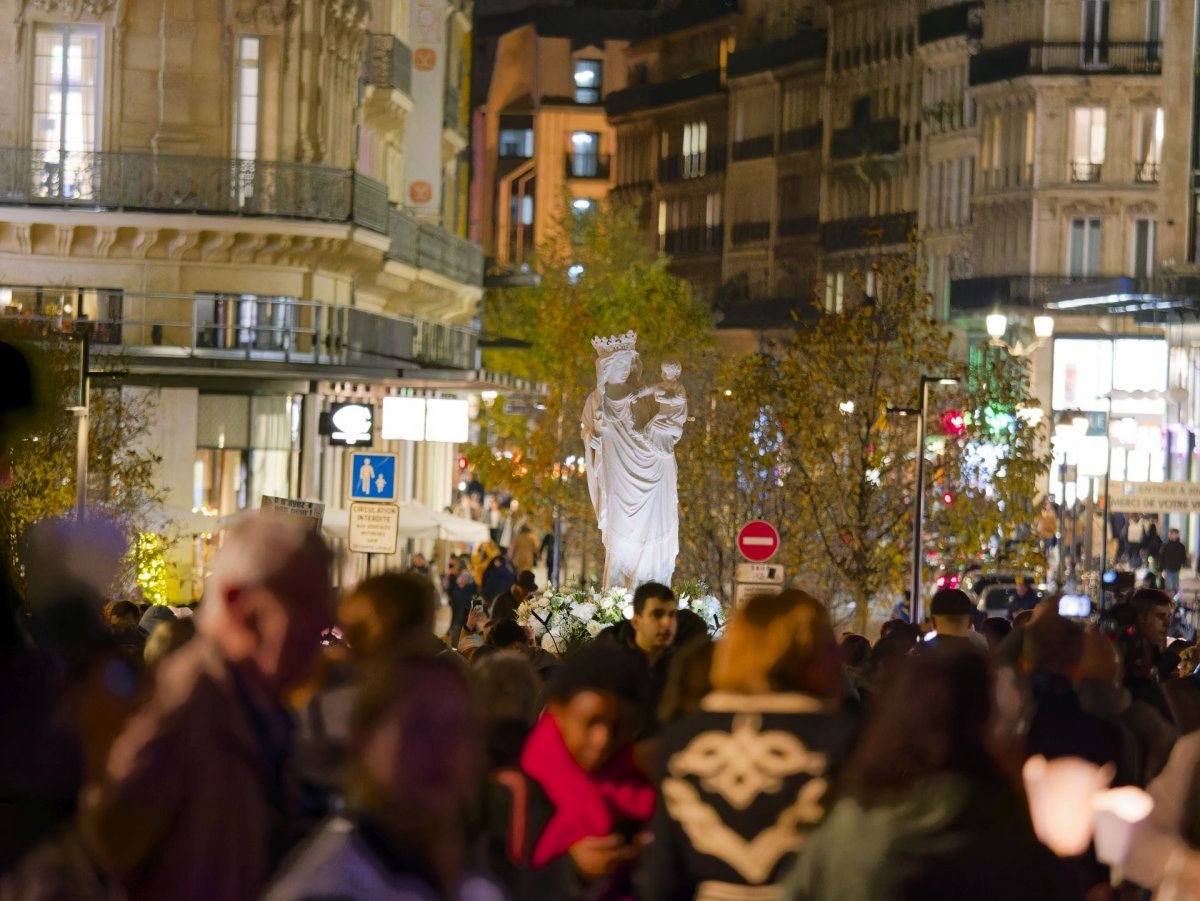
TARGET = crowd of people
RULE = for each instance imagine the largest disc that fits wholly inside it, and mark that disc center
(286, 744)
(287, 741)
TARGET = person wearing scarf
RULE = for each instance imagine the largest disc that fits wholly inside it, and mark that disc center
(570, 821)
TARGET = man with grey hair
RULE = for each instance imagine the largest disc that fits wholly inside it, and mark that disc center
(195, 799)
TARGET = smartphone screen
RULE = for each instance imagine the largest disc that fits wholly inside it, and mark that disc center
(1074, 605)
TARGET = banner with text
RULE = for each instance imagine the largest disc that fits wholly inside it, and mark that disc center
(1155, 497)
(423, 129)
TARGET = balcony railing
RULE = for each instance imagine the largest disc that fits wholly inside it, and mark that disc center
(750, 233)
(961, 19)
(588, 165)
(808, 44)
(388, 63)
(185, 184)
(370, 203)
(693, 240)
(806, 138)
(798, 226)
(1145, 173)
(235, 327)
(693, 165)
(867, 231)
(1017, 60)
(878, 137)
(754, 148)
(1084, 171)
(648, 96)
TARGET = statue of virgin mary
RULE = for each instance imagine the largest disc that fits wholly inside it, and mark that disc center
(630, 470)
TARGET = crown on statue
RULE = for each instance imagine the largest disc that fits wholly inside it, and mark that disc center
(608, 346)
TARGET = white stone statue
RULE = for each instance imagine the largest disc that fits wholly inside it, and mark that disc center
(631, 469)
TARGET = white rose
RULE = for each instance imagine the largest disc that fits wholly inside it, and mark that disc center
(684, 602)
(593, 628)
(536, 627)
(583, 612)
(629, 611)
(548, 643)
(607, 602)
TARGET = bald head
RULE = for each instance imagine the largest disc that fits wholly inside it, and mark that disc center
(268, 597)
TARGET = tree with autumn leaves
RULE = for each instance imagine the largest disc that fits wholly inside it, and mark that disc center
(121, 472)
(806, 434)
(597, 278)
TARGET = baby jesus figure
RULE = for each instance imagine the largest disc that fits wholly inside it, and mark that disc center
(665, 428)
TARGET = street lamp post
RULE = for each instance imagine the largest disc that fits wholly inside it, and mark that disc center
(919, 512)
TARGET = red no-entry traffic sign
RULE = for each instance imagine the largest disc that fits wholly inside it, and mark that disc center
(758, 541)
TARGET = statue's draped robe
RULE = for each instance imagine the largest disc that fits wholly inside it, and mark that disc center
(632, 480)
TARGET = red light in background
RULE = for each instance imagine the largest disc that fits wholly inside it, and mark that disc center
(954, 423)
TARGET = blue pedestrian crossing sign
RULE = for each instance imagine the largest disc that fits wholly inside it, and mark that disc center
(373, 477)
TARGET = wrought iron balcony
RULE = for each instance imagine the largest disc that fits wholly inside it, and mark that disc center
(1084, 171)
(388, 63)
(867, 231)
(1017, 60)
(588, 165)
(1145, 173)
(648, 96)
(750, 233)
(806, 138)
(693, 165)
(799, 226)
(213, 328)
(807, 44)
(754, 148)
(863, 139)
(696, 239)
(961, 19)
(185, 184)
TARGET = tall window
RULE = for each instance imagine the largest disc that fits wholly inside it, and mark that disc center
(695, 149)
(1147, 147)
(66, 108)
(1084, 247)
(712, 221)
(1089, 129)
(835, 292)
(245, 108)
(585, 154)
(662, 225)
(588, 80)
(1095, 32)
(1153, 22)
(1143, 247)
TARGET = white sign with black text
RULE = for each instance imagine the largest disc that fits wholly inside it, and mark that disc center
(374, 528)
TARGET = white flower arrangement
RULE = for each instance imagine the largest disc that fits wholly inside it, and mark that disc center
(696, 597)
(560, 621)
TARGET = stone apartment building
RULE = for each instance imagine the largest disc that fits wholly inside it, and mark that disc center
(258, 207)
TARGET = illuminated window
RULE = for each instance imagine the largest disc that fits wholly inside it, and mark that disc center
(1084, 250)
(587, 80)
(66, 105)
(1148, 140)
(695, 149)
(1089, 132)
(516, 143)
(245, 109)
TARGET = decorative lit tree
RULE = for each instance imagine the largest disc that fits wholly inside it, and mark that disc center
(120, 471)
(993, 459)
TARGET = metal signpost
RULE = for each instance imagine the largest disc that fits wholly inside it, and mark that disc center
(757, 541)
